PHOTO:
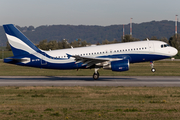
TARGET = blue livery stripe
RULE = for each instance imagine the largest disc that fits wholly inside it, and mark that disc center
(17, 52)
(10, 29)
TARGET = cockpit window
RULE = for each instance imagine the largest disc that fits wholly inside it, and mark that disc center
(164, 45)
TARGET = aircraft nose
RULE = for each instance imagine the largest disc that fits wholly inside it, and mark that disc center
(174, 51)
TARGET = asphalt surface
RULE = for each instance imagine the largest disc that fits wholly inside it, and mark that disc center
(163, 81)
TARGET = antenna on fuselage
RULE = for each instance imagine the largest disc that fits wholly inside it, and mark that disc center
(68, 43)
(147, 39)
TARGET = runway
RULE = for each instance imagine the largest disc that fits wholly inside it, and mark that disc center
(168, 81)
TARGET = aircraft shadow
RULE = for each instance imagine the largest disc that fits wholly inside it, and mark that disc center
(85, 78)
(54, 78)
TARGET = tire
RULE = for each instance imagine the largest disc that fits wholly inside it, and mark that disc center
(96, 76)
(153, 70)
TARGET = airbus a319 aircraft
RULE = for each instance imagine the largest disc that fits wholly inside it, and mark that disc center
(115, 57)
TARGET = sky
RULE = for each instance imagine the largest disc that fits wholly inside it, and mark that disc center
(86, 12)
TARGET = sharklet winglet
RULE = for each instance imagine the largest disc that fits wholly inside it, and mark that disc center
(68, 55)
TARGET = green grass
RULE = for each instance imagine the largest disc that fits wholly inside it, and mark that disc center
(163, 68)
(101, 103)
(87, 103)
(177, 56)
(5, 54)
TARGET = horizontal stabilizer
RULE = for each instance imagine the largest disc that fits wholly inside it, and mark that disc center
(17, 60)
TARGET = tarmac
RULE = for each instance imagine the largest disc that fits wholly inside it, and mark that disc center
(136, 81)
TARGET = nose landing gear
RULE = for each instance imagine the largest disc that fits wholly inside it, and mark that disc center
(152, 67)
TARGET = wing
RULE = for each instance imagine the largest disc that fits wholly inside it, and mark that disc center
(89, 61)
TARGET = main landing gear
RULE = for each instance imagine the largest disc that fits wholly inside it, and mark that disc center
(152, 67)
(96, 74)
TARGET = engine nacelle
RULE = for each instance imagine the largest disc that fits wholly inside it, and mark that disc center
(121, 65)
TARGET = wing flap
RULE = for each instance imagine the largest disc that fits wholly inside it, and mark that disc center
(88, 61)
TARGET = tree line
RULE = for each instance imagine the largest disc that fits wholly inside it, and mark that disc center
(94, 34)
(54, 44)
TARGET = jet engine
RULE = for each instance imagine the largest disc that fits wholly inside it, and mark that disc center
(120, 65)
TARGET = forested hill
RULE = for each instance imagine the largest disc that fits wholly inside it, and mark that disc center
(95, 34)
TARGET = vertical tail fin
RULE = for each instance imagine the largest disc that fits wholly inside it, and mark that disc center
(19, 43)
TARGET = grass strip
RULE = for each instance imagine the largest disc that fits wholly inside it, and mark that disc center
(101, 103)
(163, 68)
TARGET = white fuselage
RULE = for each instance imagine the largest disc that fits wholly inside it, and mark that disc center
(137, 48)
